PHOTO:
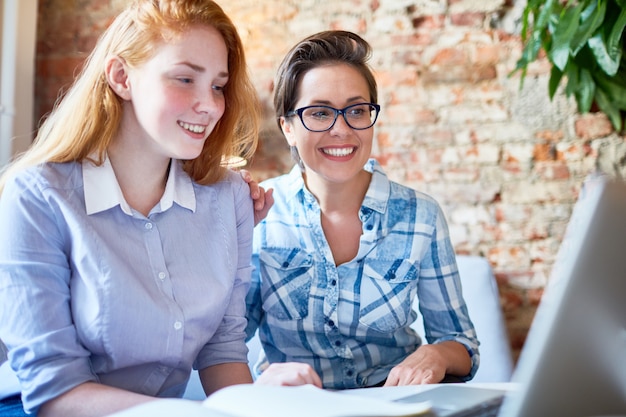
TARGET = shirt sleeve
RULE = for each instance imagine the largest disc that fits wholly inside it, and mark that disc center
(228, 342)
(442, 305)
(35, 319)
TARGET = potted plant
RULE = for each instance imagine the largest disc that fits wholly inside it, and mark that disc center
(583, 41)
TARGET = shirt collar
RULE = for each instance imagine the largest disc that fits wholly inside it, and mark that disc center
(377, 195)
(102, 191)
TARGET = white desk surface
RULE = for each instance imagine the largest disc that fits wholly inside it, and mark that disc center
(188, 408)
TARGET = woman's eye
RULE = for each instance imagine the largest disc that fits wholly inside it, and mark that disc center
(218, 88)
(320, 114)
(185, 80)
(357, 112)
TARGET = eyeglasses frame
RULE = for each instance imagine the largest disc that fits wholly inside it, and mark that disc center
(337, 112)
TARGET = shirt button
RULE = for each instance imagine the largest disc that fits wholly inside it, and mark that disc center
(333, 282)
(162, 275)
(178, 325)
(349, 373)
(331, 323)
(337, 342)
(148, 226)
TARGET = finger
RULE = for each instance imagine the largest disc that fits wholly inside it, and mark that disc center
(391, 381)
(258, 194)
(245, 174)
(315, 379)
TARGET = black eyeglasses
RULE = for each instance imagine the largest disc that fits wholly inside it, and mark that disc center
(358, 116)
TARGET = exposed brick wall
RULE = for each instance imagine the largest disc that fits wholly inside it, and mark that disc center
(506, 163)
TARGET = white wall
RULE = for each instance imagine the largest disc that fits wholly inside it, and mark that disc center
(17, 69)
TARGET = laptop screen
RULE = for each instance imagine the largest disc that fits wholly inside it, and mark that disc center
(574, 360)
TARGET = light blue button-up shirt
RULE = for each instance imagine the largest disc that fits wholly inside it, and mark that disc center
(352, 322)
(92, 290)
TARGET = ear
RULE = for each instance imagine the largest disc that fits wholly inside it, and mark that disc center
(288, 131)
(116, 73)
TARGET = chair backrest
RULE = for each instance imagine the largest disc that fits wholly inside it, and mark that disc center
(480, 292)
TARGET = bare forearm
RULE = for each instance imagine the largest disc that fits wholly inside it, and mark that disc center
(225, 374)
(91, 400)
(457, 358)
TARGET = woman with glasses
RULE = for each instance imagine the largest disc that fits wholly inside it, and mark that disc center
(344, 251)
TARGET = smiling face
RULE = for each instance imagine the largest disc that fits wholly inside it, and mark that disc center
(339, 154)
(176, 98)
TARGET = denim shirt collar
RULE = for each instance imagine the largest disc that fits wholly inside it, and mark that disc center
(377, 195)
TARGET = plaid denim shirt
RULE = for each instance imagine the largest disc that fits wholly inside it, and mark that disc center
(352, 322)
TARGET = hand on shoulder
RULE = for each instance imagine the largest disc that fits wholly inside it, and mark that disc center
(262, 199)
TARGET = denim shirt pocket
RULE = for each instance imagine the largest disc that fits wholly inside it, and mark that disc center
(287, 274)
(388, 288)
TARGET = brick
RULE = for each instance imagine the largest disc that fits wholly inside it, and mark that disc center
(428, 22)
(552, 171)
(593, 126)
(476, 19)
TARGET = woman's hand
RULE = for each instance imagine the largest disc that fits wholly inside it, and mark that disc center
(429, 364)
(262, 199)
(289, 374)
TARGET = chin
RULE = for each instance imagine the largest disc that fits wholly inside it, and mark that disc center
(186, 154)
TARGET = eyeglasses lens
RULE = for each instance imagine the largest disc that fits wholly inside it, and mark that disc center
(320, 118)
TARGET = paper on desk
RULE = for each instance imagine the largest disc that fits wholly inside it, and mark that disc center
(169, 408)
(304, 401)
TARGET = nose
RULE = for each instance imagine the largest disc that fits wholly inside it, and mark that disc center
(210, 103)
(341, 126)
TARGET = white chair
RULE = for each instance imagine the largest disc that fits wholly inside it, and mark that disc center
(480, 292)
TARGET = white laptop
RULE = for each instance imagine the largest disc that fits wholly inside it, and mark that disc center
(573, 363)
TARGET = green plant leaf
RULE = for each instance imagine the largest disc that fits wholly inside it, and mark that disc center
(535, 19)
(555, 79)
(584, 41)
(613, 43)
(590, 20)
(572, 79)
(585, 92)
(530, 52)
(609, 109)
(613, 88)
(564, 32)
(545, 12)
(608, 64)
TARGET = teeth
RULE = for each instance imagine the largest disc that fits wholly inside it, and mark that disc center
(192, 128)
(338, 151)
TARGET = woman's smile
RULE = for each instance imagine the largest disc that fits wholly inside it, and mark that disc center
(194, 128)
(339, 152)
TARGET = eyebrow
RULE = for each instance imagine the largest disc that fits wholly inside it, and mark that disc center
(198, 68)
(350, 100)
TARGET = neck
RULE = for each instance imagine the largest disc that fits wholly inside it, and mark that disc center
(141, 176)
(345, 196)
